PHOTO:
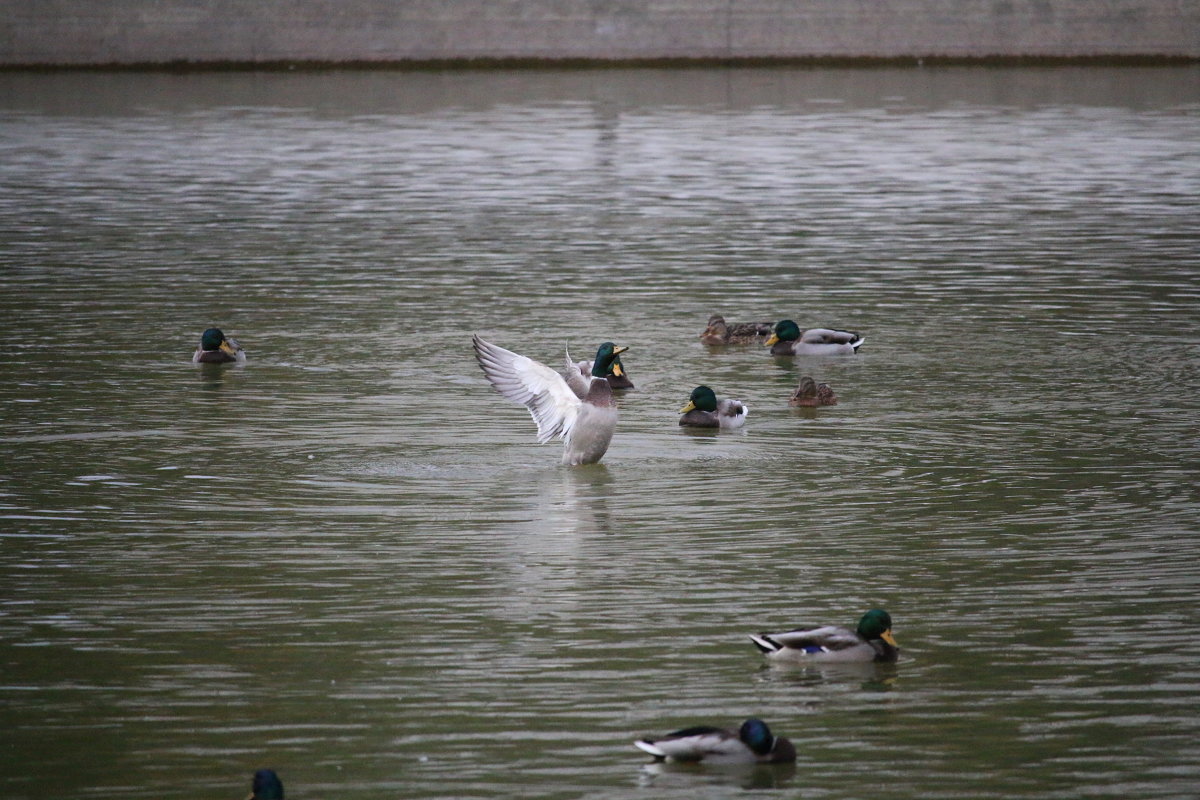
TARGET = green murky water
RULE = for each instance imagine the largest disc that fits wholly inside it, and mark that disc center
(350, 561)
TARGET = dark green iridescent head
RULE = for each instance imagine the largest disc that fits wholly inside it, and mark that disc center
(267, 786)
(211, 339)
(787, 330)
(757, 736)
(874, 624)
(602, 366)
(704, 398)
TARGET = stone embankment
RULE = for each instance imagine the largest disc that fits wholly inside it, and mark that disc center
(415, 32)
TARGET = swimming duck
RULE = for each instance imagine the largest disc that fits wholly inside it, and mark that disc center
(216, 348)
(719, 332)
(617, 377)
(787, 340)
(571, 406)
(872, 641)
(752, 744)
(810, 393)
(266, 786)
(703, 410)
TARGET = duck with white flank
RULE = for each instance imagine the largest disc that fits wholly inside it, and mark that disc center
(704, 410)
(787, 340)
(871, 641)
(753, 743)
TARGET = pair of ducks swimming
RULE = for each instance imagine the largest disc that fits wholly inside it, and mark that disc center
(578, 407)
(753, 742)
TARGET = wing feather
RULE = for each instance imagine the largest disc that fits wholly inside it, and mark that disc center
(831, 637)
(829, 336)
(578, 384)
(551, 402)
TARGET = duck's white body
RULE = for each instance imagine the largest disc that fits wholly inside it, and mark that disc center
(820, 342)
(588, 439)
(828, 645)
(714, 746)
(752, 744)
(580, 410)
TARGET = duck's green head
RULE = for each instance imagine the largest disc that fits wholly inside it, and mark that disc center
(606, 356)
(266, 786)
(211, 339)
(785, 331)
(876, 624)
(757, 736)
(702, 398)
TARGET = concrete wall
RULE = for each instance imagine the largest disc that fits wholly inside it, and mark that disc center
(81, 32)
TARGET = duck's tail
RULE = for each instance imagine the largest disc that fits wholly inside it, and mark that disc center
(651, 748)
(765, 643)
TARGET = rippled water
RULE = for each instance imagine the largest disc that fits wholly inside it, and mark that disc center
(350, 561)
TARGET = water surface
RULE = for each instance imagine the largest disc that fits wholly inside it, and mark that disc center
(349, 560)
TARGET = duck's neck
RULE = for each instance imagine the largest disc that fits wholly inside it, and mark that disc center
(599, 393)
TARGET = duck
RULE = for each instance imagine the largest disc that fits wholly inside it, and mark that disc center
(617, 377)
(753, 743)
(217, 348)
(578, 409)
(871, 641)
(719, 332)
(266, 786)
(810, 393)
(704, 410)
(787, 340)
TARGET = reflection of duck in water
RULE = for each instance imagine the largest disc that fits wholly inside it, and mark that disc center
(753, 743)
(617, 377)
(871, 641)
(572, 407)
(266, 786)
(810, 393)
(720, 332)
(216, 348)
(704, 410)
(787, 340)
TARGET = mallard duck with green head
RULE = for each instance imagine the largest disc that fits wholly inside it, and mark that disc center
(871, 641)
(578, 409)
(704, 410)
(266, 786)
(617, 377)
(810, 394)
(217, 348)
(788, 340)
(752, 743)
(720, 332)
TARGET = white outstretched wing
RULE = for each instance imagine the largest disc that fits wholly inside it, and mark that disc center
(551, 402)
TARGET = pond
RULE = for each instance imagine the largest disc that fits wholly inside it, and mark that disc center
(349, 559)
